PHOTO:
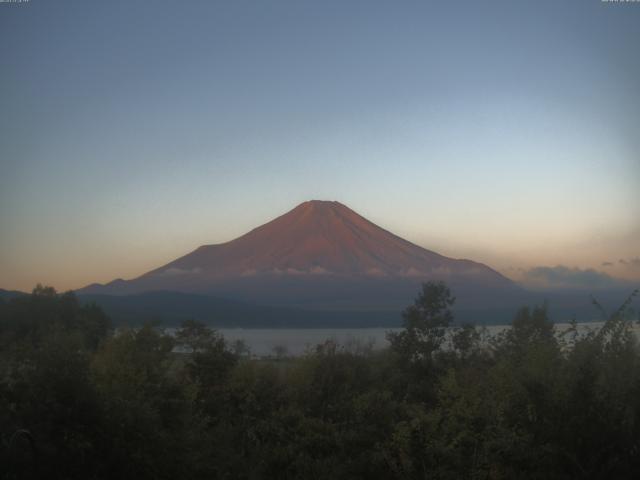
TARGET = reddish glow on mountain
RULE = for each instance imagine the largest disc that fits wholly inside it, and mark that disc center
(317, 237)
(319, 255)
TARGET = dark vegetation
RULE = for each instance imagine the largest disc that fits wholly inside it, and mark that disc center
(171, 308)
(78, 401)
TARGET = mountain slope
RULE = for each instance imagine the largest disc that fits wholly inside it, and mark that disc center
(320, 254)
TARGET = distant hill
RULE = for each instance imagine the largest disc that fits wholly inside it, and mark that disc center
(170, 308)
(8, 294)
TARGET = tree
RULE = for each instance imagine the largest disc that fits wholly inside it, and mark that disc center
(466, 340)
(36, 317)
(207, 366)
(194, 336)
(144, 408)
(50, 412)
(425, 323)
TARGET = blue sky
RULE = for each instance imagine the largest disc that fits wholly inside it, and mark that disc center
(132, 132)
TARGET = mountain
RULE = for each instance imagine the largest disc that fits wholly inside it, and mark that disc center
(320, 255)
(320, 238)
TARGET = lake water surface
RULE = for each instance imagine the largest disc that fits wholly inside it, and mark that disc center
(296, 341)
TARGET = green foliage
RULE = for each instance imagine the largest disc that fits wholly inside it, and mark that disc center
(32, 319)
(78, 400)
(425, 324)
(48, 406)
(143, 406)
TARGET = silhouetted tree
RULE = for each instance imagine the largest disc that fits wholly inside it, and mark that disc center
(425, 323)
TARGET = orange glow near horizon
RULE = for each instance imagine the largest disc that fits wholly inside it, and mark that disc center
(72, 266)
(475, 134)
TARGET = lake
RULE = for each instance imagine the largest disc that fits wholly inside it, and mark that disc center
(295, 341)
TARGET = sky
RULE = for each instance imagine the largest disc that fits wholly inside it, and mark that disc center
(132, 132)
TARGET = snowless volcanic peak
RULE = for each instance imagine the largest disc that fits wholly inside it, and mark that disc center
(319, 238)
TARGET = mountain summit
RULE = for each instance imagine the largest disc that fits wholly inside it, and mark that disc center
(317, 247)
(319, 238)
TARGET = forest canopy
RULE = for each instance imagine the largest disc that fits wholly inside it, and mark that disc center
(81, 400)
